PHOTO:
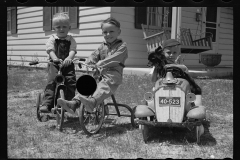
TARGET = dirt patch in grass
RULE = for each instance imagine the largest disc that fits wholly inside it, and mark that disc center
(29, 138)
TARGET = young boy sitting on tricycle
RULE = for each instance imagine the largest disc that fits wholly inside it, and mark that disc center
(60, 47)
(113, 49)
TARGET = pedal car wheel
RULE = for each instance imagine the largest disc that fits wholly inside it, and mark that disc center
(199, 132)
(60, 113)
(91, 122)
(145, 131)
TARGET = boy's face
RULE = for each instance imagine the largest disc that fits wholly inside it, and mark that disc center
(62, 28)
(171, 53)
(110, 32)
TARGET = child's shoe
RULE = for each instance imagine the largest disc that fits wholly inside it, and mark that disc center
(89, 103)
(44, 109)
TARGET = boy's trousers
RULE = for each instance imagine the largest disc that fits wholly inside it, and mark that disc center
(70, 81)
(106, 87)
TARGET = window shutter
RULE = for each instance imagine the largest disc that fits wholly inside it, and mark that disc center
(73, 15)
(13, 20)
(140, 16)
(47, 18)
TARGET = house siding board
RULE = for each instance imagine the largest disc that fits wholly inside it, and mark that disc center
(137, 49)
(94, 18)
(35, 13)
(29, 10)
(226, 36)
(30, 25)
(94, 11)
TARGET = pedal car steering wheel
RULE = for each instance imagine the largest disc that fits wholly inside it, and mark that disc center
(176, 71)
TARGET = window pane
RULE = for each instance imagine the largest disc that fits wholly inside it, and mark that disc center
(8, 20)
(211, 14)
(8, 25)
(8, 15)
(159, 16)
(211, 32)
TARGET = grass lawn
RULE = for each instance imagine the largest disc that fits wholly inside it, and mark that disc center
(28, 138)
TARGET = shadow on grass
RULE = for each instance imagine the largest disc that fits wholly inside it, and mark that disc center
(114, 129)
(181, 136)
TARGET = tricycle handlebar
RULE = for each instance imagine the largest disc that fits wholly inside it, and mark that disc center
(107, 65)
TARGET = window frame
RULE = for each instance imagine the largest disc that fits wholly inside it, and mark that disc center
(13, 20)
(142, 16)
(9, 20)
(48, 14)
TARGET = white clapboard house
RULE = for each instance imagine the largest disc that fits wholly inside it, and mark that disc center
(28, 28)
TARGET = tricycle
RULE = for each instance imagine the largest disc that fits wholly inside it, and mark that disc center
(86, 85)
(60, 92)
(170, 104)
(91, 122)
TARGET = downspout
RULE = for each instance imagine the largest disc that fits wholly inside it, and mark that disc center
(176, 20)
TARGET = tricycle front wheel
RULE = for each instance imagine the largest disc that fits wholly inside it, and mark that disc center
(60, 112)
(92, 122)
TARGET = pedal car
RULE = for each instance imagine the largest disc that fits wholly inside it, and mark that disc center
(170, 104)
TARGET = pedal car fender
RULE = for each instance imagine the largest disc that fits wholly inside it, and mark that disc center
(143, 111)
(197, 113)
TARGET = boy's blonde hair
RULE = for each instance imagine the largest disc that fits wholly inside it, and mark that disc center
(111, 20)
(61, 17)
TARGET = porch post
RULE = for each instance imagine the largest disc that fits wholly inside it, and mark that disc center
(176, 22)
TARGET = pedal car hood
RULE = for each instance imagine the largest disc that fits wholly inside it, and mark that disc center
(181, 83)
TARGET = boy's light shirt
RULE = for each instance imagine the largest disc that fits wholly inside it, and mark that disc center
(51, 41)
(116, 51)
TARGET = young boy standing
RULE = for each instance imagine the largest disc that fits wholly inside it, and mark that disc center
(60, 47)
(112, 49)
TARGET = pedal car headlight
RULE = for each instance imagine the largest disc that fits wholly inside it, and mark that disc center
(148, 96)
(190, 97)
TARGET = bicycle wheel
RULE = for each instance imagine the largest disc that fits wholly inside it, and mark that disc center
(91, 123)
(60, 112)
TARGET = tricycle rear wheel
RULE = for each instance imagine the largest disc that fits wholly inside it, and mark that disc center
(41, 118)
(91, 123)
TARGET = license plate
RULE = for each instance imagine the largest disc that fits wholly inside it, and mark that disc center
(173, 101)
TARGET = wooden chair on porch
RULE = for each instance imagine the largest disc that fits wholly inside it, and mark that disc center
(188, 45)
(155, 36)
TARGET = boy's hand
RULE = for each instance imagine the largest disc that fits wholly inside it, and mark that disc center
(56, 60)
(67, 62)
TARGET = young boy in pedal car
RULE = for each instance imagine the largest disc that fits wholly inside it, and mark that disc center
(169, 53)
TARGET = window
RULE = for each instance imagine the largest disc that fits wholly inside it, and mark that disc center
(155, 16)
(48, 13)
(11, 20)
(60, 9)
(211, 22)
(8, 18)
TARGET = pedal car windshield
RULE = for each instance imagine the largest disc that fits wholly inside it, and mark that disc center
(177, 70)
